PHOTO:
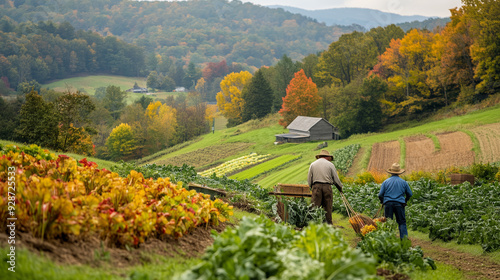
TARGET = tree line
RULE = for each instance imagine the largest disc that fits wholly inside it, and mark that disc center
(47, 50)
(365, 81)
(190, 31)
(102, 125)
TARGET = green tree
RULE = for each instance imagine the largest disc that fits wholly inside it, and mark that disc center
(9, 117)
(192, 75)
(38, 122)
(114, 100)
(346, 59)
(282, 75)
(74, 122)
(120, 142)
(166, 83)
(357, 106)
(144, 101)
(153, 80)
(257, 96)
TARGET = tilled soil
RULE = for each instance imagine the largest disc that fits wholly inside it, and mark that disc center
(456, 150)
(488, 136)
(384, 155)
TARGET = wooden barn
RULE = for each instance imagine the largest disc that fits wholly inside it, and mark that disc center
(305, 129)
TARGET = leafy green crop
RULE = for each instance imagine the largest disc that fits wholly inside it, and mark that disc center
(465, 213)
(343, 158)
(262, 249)
(386, 247)
(300, 212)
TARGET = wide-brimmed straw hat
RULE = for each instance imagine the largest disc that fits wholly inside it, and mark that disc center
(324, 153)
(395, 169)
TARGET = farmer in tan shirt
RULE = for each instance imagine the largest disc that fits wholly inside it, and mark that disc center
(321, 176)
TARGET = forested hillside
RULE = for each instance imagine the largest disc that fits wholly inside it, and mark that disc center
(43, 51)
(193, 31)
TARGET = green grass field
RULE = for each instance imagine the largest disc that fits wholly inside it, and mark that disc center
(264, 167)
(90, 83)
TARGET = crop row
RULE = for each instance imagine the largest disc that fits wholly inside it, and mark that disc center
(262, 249)
(253, 194)
(264, 167)
(343, 158)
(60, 197)
(235, 164)
(466, 213)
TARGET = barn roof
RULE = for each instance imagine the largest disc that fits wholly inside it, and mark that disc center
(305, 123)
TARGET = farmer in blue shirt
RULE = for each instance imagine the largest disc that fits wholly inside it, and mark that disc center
(394, 194)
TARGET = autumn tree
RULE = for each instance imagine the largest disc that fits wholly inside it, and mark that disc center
(455, 49)
(486, 47)
(162, 124)
(257, 96)
(229, 99)
(301, 99)
(120, 142)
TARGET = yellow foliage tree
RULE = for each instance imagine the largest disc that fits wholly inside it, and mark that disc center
(162, 122)
(120, 142)
(229, 99)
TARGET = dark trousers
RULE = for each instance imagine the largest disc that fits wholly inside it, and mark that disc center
(322, 195)
(393, 208)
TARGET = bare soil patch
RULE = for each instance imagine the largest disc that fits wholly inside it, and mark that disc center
(384, 155)
(456, 150)
(90, 251)
(205, 156)
(489, 142)
(473, 267)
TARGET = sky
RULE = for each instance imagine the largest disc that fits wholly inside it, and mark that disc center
(429, 8)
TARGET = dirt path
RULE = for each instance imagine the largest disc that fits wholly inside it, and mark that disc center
(473, 267)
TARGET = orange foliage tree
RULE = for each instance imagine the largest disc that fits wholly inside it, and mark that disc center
(302, 99)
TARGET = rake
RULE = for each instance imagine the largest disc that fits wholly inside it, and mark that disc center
(357, 220)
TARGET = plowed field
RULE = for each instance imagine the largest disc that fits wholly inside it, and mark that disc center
(489, 142)
(384, 155)
(456, 150)
(206, 155)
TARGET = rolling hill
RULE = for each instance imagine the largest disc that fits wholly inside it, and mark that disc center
(368, 18)
(472, 134)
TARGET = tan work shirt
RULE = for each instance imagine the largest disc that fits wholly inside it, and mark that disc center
(323, 171)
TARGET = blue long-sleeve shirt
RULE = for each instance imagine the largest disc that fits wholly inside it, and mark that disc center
(394, 189)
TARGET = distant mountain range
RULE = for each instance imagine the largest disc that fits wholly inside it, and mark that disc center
(367, 18)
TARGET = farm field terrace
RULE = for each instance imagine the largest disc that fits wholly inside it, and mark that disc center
(259, 138)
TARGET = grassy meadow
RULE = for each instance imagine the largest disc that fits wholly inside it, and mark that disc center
(89, 84)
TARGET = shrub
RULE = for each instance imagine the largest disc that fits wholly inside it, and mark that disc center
(363, 178)
(484, 171)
